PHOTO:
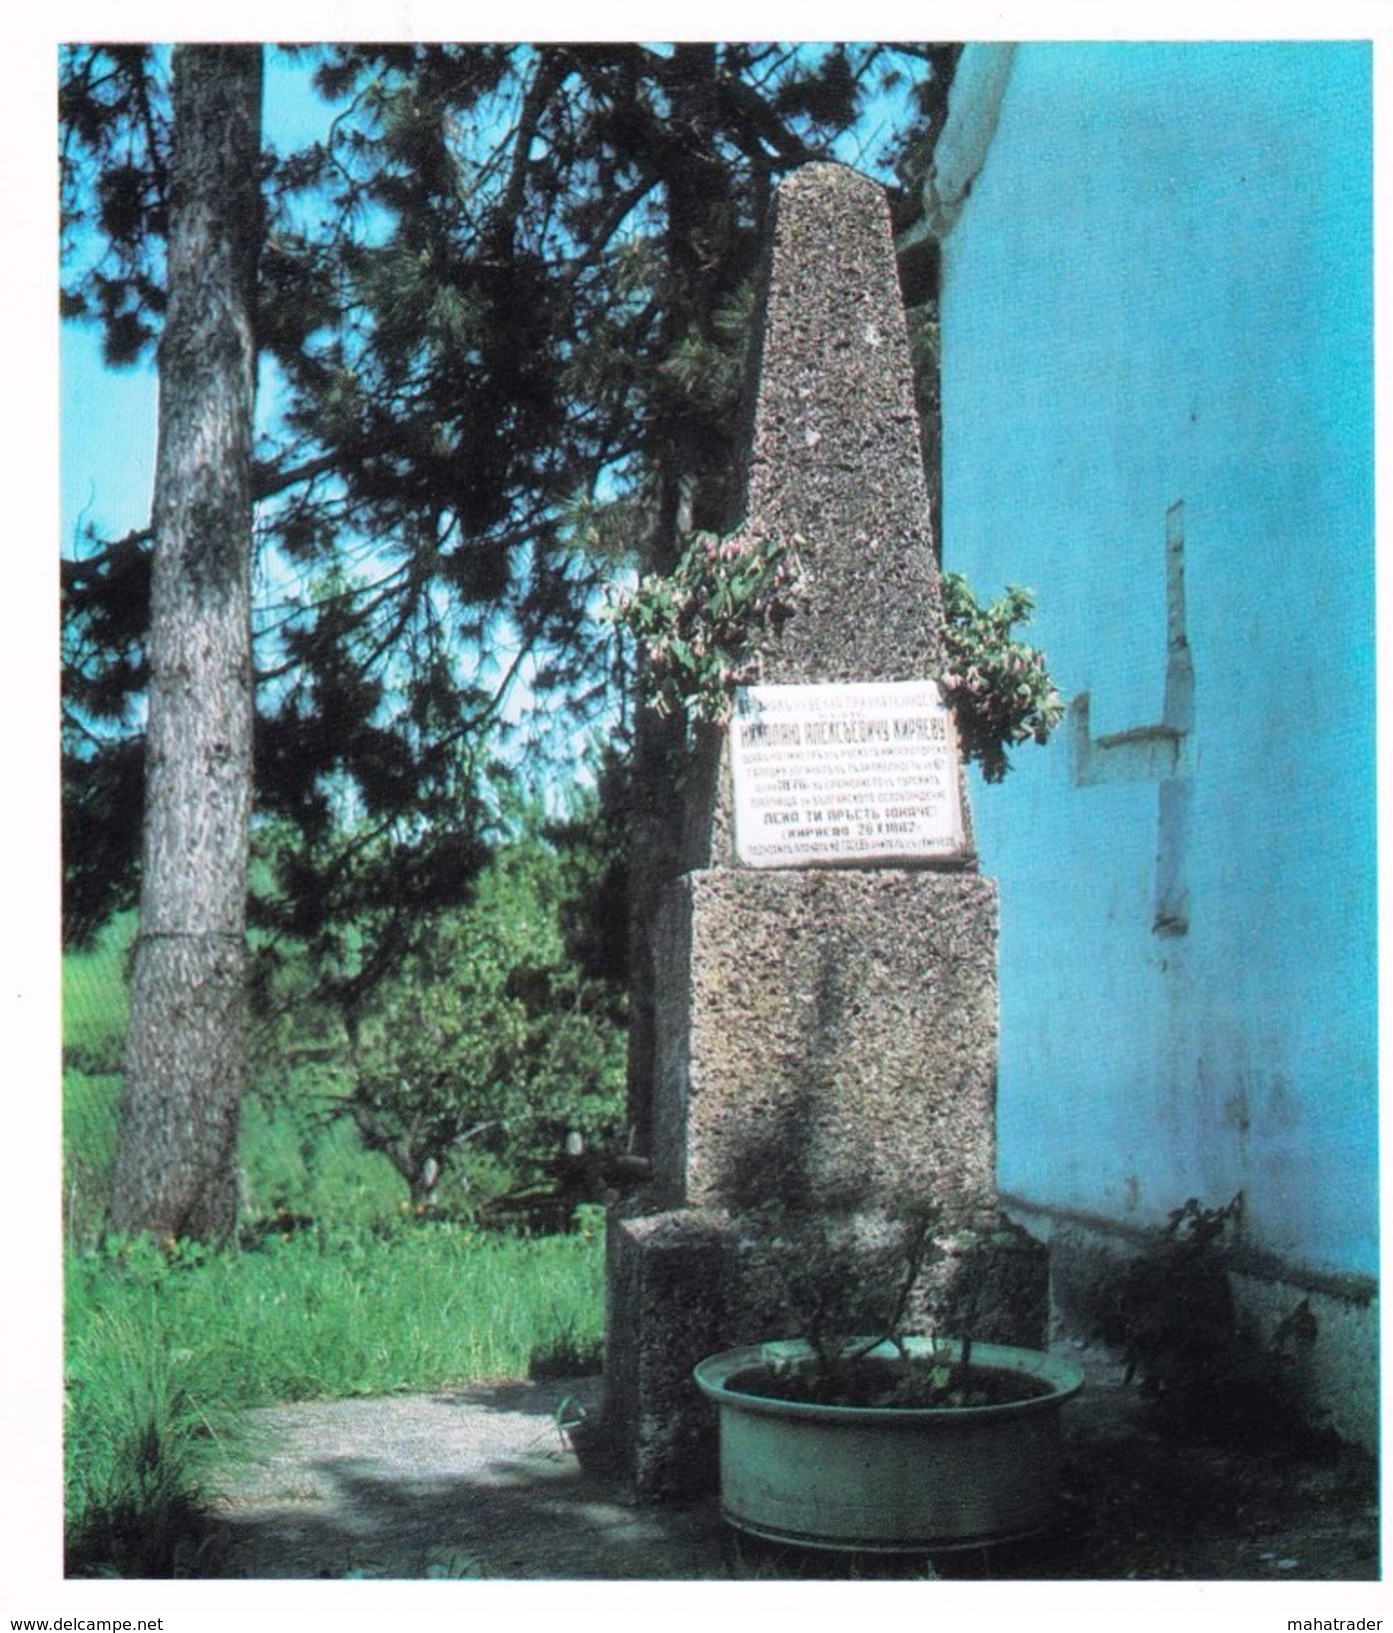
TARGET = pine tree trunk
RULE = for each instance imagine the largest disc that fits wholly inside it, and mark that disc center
(176, 1171)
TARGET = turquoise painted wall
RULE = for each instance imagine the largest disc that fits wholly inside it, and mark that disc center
(1160, 290)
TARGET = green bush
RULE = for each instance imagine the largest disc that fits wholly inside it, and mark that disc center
(295, 1162)
(696, 629)
(998, 687)
(467, 1062)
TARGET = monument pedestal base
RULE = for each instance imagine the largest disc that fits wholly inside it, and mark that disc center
(667, 1277)
(688, 1283)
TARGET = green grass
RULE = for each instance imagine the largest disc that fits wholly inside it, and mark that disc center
(165, 1347)
(332, 1313)
(95, 1013)
(95, 1007)
(336, 1289)
(91, 1110)
(144, 1424)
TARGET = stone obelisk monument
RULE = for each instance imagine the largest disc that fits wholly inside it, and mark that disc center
(825, 965)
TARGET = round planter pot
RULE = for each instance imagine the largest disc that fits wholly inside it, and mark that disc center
(888, 1479)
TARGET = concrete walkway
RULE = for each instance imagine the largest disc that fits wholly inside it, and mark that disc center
(483, 1482)
(480, 1481)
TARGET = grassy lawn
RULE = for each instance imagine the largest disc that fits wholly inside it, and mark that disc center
(165, 1347)
(335, 1289)
(94, 999)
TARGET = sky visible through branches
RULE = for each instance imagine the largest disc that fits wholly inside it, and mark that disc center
(108, 415)
(107, 432)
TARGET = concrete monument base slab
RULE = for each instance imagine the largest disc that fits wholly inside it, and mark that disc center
(691, 1282)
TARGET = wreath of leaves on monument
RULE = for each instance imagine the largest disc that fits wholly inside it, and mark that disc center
(697, 631)
(999, 688)
(697, 627)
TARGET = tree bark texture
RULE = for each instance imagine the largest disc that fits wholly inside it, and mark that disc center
(176, 1165)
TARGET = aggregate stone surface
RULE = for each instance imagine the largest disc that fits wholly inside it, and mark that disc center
(484, 1482)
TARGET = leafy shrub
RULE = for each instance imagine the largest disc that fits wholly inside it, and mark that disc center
(486, 1038)
(696, 627)
(1201, 1370)
(297, 1162)
(1177, 1309)
(465, 1059)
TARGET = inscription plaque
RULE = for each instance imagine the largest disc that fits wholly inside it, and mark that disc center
(845, 775)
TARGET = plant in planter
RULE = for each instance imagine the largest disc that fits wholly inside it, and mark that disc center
(864, 1435)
